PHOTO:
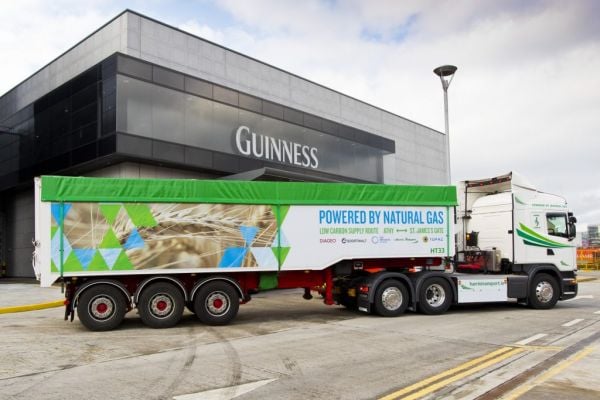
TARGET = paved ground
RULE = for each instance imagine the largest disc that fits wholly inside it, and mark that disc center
(282, 346)
(16, 292)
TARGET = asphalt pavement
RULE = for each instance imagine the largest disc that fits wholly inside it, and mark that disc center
(281, 346)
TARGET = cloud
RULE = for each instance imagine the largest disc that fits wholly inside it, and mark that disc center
(204, 31)
(34, 32)
(523, 98)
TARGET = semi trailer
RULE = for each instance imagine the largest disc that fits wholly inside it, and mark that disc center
(161, 245)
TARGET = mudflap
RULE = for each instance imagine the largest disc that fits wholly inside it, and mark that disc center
(569, 288)
(69, 311)
(364, 305)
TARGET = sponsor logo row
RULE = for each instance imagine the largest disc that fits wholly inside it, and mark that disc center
(380, 240)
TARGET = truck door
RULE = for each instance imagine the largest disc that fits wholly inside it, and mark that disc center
(542, 237)
(563, 253)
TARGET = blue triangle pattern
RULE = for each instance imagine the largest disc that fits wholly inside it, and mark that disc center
(55, 209)
(55, 248)
(110, 256)
(134, 241)
(248, 233)
(233, 257)
(283, 241)
(280, 240)
(264, 256)
(85, 256)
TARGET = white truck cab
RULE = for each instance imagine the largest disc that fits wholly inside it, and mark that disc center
(506, 225)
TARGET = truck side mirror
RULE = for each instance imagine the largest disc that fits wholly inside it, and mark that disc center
(572, 230)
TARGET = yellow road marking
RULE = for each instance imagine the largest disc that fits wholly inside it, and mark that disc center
(441, 384)
(31, 307)
(548, 374)
(487, 360)
(541, 348)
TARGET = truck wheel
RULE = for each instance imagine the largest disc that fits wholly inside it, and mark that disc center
(391, 298)
(435, 296)
(543, 292)
(101, 308)
(216, 303)
(161, 305)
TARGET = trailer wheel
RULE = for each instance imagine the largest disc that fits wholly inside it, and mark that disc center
(435, 296)
(543, 292)
(101, 308)
(216, 303)
(161, 305)
(391, 298)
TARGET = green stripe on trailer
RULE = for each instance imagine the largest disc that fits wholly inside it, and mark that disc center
(80, 189)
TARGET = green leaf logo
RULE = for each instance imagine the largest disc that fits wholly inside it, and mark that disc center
(532, 238)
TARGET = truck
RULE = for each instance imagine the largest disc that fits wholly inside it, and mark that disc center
(163, 245)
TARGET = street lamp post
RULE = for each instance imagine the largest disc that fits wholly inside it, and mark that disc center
(446, 73)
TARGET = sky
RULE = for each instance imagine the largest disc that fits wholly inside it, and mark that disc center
(525, 98)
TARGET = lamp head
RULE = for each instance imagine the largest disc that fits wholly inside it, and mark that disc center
(445, 70)
(446, 73)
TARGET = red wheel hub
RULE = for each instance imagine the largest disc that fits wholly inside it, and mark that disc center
(161, 305)
(218, 303)
(102, 308)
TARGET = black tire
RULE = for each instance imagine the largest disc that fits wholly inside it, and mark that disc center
(391, 298)
(435, 296)
(101, 307)
(216, 303)
(543, 292)
(161, 305)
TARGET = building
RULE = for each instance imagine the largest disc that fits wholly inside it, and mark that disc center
(585, 240)
(138, 98)
(593, 236)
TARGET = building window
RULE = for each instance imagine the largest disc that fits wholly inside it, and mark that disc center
(157, 112)
(557, 224)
